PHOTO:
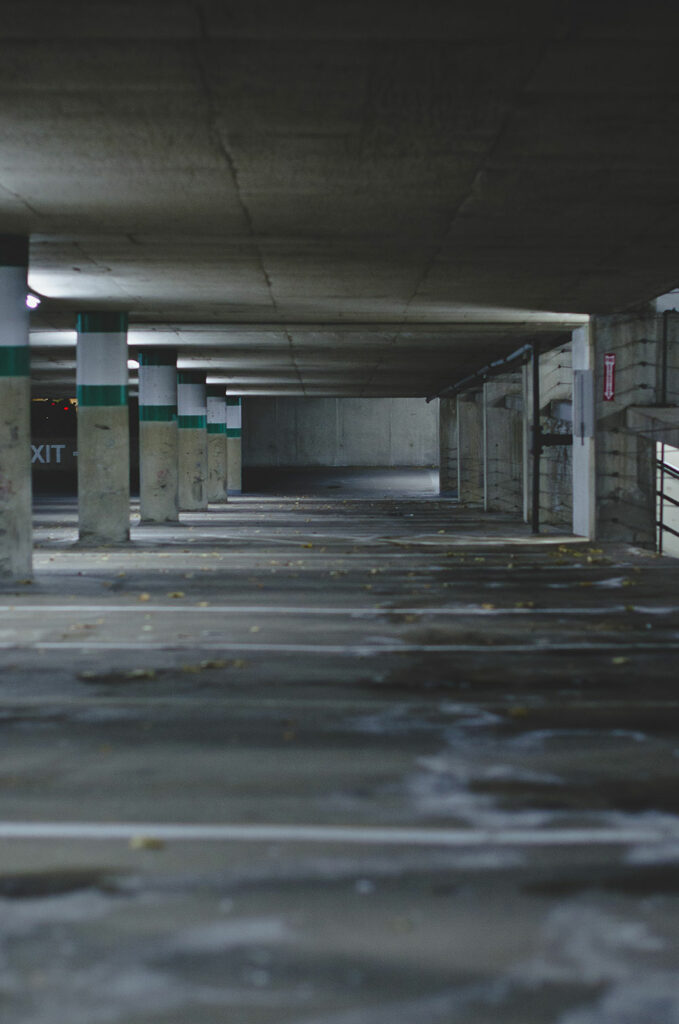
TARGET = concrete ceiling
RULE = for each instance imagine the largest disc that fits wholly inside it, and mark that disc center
(341, 197)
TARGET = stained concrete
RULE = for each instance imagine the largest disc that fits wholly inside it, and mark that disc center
(158, 471)
(15, 478)
(470, 447)
(645, 376)
(502, 708)
(192, 468)
(448, 453)
(503, 418)
(103, 474)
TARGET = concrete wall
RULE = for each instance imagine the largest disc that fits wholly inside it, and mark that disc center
(470, 455)
(503, 441)
(298, 432)
(625, 458)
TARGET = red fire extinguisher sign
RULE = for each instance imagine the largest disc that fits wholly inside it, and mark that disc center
(609, 376)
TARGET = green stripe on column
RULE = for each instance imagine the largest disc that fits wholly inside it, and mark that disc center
(192, 422)
(190, 377)
(157, 357)
(102, 394)
(15, 361)
(233, 432)
(216, 428)
(157, 413)
(13, 251)
(101, 323)
(233, 401)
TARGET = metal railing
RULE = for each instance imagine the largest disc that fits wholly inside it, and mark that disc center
(665, 472)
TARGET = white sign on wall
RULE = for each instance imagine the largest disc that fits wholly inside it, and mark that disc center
(53, 454)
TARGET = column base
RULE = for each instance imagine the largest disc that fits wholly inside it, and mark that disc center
(16, 536)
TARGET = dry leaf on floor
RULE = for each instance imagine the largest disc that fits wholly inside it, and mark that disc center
(146, 843)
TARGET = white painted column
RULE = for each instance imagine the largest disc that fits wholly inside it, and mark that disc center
(103, 428)
(217, 443)
(15, 412)
(584, 450)
(158, 475)
(233, 433)
(192, 440)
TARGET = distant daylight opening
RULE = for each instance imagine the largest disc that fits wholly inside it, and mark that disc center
(369, 447)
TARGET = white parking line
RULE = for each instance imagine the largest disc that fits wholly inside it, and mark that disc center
(353, 834)
(251, 610)
(348, 650)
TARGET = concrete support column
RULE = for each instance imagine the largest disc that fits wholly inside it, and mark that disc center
(448, 447)
(15, 417)
(158, 479)
(584, 473)
(503, 444)
(192, 440)
(217, 443)
(233, 433)
(103, 428)
(470, 448)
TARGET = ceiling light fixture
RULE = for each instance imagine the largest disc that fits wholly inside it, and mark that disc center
(33, 300)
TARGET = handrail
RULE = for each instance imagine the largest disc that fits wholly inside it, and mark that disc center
(666, 497)
(667, 529)
(669, 470)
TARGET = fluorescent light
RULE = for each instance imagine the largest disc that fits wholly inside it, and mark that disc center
(32, 301)
(132, 364)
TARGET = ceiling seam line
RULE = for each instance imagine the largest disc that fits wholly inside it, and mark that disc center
(227, 156)
(20, 199)
(483, 164)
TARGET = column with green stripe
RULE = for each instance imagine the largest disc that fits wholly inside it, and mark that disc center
(233, 434)
(103, 428)
(216, 442)
(16, 544)
(158, 478)
(192, 440)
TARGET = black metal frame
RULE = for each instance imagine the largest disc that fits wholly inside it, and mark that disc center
(540, 440)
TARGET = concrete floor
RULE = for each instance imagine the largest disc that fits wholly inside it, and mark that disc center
(338, 761)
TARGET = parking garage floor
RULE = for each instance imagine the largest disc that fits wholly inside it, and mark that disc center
(338, 760)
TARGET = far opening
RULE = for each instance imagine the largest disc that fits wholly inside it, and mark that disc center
(334, 447)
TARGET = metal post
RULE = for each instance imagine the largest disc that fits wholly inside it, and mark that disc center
(663, 369)
(663, 402)
(536, 436)
(661, 497)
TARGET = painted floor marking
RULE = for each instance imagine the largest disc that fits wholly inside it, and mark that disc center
(334, 834)
(348, 650)
(251, 610)
(187, 700)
